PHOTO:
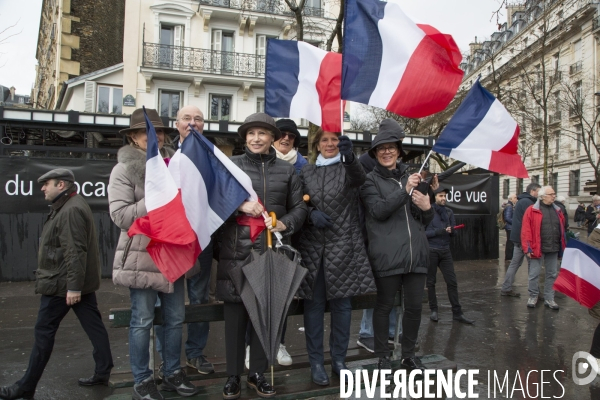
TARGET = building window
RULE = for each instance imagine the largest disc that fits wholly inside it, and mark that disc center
(574, 183)
(110, 100)
(260, 105)
(220, 107)
(169, 103)
(519, 186)
(539, 149)
(505, 188)
(554, 181)
(579, 138)
(223, 48)
(557, 142)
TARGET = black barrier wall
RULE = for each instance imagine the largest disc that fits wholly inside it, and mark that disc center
(475, 202)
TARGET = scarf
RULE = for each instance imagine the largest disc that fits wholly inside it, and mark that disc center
(323, 162)
(290, 157)
(441, 210)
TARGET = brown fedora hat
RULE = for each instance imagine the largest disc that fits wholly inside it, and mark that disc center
(138, 121)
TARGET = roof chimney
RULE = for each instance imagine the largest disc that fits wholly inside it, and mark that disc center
(12, 93)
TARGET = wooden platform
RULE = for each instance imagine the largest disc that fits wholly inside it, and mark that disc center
(292, 382)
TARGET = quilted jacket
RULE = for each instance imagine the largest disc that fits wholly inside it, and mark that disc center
(278, 186)
(395, 226)
(334, 190)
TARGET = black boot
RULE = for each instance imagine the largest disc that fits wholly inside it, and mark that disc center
(94, 380)
(319, 376)
(232, 388)
(337, 366)
(260, 384)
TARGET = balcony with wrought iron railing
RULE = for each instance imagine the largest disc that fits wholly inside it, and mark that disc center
(179, 58)
(263, 6)
(576, 67)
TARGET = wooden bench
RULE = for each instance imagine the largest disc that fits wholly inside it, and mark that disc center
(292, 386)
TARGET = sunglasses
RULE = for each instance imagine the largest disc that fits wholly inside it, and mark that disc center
(291, 136)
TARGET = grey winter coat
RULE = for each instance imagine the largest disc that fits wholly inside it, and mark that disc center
(133, 266)
(334, 190)
(395, 226)
(278, 187)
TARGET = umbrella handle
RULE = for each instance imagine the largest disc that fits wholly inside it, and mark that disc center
(273, 224)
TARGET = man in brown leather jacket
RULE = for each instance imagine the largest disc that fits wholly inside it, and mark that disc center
(68, 275)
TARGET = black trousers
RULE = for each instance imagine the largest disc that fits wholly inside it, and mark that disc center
(442, 259)
(595, 350)
(236, 322)
(52, 311)
(412, 287)
(509, 248)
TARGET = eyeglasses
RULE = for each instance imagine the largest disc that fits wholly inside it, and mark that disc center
(386, 149)
(188, 118)
(550, 194)
(291, 136)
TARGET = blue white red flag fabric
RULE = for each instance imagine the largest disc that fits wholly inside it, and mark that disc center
(212, 186)
(579, 276)
(303, 81)
(393, 63)
(483, 133)
(173, 244)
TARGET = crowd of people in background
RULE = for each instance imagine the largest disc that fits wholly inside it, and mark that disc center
(368, 226)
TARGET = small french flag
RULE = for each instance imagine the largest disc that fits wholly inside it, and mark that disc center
(303, 81)
(579, 276)
(173, 245)
(483, 133)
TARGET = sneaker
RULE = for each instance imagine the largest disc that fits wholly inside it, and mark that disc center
(201, 364)
(532, 302)
(551, 304)
(367, 343)
(283, 357)
(179, 383)
(510, 293)
(247, 362)
(146, 390)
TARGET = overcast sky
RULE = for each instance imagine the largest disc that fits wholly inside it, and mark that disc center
(463, 19)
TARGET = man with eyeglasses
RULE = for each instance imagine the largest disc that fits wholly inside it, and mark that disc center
(198, 283)
(542, 239)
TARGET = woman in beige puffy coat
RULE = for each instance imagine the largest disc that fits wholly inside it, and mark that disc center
(134, 268)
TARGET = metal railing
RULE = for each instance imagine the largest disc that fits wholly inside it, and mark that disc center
(181, 58)
(575, 68)
(265, 6)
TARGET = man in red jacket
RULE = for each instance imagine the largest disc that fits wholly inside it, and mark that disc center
(543, 238)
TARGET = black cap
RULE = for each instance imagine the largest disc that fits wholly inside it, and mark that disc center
(288, 125)
(390, 131)
(441, 189)
(60, 174)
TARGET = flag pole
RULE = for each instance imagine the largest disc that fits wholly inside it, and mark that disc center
(342, 123)
(422, 166)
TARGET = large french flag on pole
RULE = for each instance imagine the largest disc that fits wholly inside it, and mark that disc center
(303, 81)
(393, 63)
(212, 186)
(173, 244)
(579, 276)
(483, 133)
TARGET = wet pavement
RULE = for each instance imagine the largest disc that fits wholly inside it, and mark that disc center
(507, 337)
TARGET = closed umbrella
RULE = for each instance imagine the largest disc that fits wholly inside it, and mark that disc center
(267, 285)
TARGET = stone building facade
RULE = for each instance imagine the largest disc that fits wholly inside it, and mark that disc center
(76, 37)
(542, 64)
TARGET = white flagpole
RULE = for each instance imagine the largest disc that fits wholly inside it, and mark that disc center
(422, 166)
(342, 122)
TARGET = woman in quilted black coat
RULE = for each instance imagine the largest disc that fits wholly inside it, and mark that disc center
(332, 247)
(398, 248)
(278, 187)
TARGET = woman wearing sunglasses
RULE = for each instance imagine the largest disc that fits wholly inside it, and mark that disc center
(286, 146)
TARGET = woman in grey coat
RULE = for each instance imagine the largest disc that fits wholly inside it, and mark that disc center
(133, 267)
(332, 247)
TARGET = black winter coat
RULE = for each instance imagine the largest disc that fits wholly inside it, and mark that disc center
(334, 190)
(524, 201)
(590, 215)
(437, 236)
(395, 226)
(278, 186)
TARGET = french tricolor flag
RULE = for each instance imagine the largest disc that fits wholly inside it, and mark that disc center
(303, 81)
(393, 63)
(579, 276)
(483, 133)
(173, 244)
(212, 186)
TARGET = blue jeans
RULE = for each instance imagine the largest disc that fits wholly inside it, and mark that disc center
(535, 266)
(314, 313)
(366, 324)
(197, 289)
(142, 315)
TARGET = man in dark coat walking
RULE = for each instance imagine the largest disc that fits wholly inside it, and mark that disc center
(438, 233)
(508, 216)
(68, 275)
(526, 199)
